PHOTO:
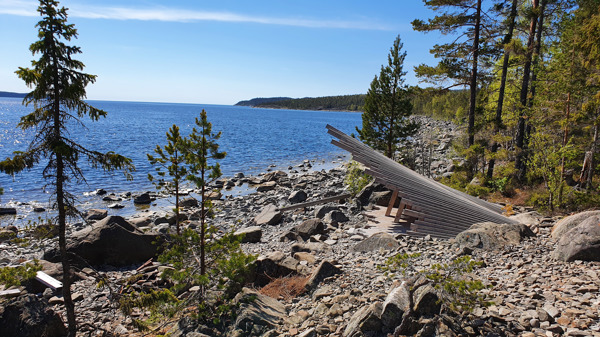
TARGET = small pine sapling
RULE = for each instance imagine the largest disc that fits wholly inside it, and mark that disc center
(169, 160)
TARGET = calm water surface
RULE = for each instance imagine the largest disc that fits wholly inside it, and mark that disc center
(253, 139)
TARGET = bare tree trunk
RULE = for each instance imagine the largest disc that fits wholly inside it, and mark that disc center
(177, 192)
(62, 225)
(473, 84)
(499, 107)
(521, 160)
(590, 175)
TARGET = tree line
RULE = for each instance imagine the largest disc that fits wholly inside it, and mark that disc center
(341, 103)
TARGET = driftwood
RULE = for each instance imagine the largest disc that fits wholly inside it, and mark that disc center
(316, 202)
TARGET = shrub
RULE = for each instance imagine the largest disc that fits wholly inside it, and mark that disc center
(356, 179)
(16, 276)
(457, 290)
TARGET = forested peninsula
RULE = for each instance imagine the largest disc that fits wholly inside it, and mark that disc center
(11, 94)
(340, 103)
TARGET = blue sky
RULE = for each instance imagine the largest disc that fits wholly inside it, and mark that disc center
(220, 52)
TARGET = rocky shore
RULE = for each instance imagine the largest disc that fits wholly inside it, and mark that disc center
(336, 254)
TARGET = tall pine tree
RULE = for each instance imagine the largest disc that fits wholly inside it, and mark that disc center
(58, 101)
(385, 121)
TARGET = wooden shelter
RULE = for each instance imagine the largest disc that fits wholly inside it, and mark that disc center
(426, 206)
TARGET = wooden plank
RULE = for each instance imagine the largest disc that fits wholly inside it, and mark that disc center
(48, 280)
(317, 202)
(10, 293)
(392, 202)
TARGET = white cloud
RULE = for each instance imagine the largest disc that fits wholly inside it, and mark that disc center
(28, 8)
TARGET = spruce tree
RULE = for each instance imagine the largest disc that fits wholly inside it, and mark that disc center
(58, 100)
(385, 121)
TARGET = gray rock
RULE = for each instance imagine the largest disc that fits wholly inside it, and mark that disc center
(363, 198)
(8, 211)
(297, 197)
(6, 234)
(96, 214)
(335, 216)
(269, 215)
(256, 309)
(268, 186)
(188, 202)
(141, 222)
(324, 270)
(581, 242)
(274, 176)
(29, 315)
(426, 301)
(489, 235)
(566, 224)
(376, 242)
(365, 321)
(142, 199)
(111, 241)
(529, 218)
(310, 227)
(395, 305)
(250, 234)
(272, 266)
(322, 210)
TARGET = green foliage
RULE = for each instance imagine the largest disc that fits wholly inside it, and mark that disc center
(158, 301)
(344, 103)
(356, 179)
(385, 122)
(58, 99)
(170, 160)
(459, 292)
(457, 289)
(227, 268)
(16, 276)
(447, 105)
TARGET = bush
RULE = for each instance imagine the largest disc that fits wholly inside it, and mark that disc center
(356, 179)
(16, 276)
(457, 290)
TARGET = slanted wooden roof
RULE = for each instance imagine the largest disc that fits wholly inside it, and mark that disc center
(428, 206)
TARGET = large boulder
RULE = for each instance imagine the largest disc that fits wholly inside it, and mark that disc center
(581, 242)
(310, 227)
(363, 198)
(272, 266)
(257, 312)
(297, 197)
(111, 241)
(142, 199)
(566, 224)
(324, 270)
(489, 235)
(250, 234)
(270, 215)
(29, 315)
(96, 214)
(376, 242)
(395, 305)
(365, 321)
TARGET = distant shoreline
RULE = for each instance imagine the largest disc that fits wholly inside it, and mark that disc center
(12, 94)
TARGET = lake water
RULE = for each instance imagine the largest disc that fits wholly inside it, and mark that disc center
(253, 138)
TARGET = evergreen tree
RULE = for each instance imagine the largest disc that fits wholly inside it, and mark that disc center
(202, 153)
(58, 100)
(462, 58)
(170, 160)
(385, 121)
